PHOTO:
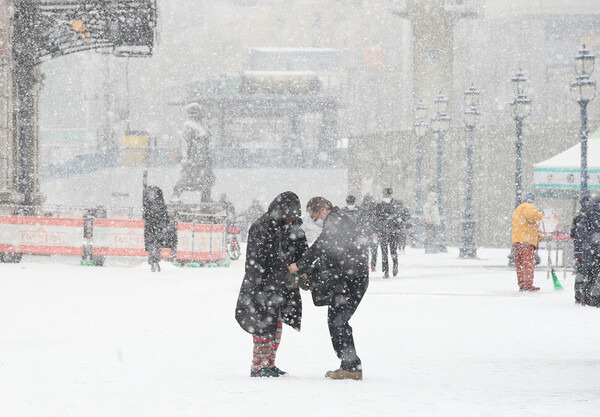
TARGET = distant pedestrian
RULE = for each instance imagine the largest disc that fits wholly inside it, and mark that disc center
(343, 267)
(156, 225)
(405, 227)
(581, 279)
(228, 209)
(431, 221)
(367, 224)
(267, 297)
(252, 214)
(351, 210)
(525, 239)
(389, 229)
(254, 211)
(588, 235)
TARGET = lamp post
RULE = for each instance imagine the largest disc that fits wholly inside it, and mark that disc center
(440, 124)
(583, 91)
(468, 248)
(520, 107)
(420, 129)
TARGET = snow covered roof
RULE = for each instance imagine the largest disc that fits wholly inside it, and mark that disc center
(562, 171)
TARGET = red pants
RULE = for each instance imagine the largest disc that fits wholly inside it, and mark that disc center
(524, 263)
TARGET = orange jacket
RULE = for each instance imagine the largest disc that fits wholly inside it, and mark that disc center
(524, 224)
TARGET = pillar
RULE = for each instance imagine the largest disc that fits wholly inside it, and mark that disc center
(8, 139)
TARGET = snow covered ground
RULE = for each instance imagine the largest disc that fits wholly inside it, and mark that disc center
(448, 337)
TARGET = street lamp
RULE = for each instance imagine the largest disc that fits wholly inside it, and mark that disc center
(521, 107)
(468, 248)
(440, 124)
(420, 129)
(583, 91)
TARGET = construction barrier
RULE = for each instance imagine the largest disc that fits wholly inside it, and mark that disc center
(91, 237)
(41, 235)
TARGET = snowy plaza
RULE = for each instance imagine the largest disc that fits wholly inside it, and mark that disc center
(447, 337)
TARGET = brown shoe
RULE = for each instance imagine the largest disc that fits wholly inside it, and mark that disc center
(343, 374)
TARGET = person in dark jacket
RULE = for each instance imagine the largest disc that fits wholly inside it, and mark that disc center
(351, 209)
(156, 225)
(267, 296)
(367, 224)
(389, 229)
(339, 253)
(581, 284)
(588, 235)
(252, 214)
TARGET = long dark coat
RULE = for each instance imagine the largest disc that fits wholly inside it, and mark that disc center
(155, 215)
(266, 291)
(588, 235)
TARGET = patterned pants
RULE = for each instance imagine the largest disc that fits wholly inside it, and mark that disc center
(524, 263)
(265, 350)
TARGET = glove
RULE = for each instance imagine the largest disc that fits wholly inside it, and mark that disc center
(298, 281)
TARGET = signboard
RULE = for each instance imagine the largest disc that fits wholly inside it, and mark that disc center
(564, 178)
(549, 222)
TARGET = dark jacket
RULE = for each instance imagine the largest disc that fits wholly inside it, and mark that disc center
(390, 217)
(588, 236)
(155, 215)
(338, 256)
(265, 290)
(367, 220)
(352, 213)
(575, 225)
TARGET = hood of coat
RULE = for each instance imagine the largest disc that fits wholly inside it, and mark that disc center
(153, 195)
(285, 205)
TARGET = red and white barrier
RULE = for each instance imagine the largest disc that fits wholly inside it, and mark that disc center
(108, 237)
(41, 235)
(201, 242)
(115, 237)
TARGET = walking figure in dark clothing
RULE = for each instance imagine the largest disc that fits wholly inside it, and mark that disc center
(367, 225)
(156, 225)
(587, 241)
(389, 226)
(343, 276)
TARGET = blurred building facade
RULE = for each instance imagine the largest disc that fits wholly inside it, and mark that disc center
(392, 53)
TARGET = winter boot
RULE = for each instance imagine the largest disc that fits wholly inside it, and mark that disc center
(343, 374)
(278, 371)
(529, 288)
(265, 373)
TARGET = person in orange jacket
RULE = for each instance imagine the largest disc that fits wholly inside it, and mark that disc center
(525, 238)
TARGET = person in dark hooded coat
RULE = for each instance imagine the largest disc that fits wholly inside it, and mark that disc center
(581, 283)
(268, 296)
(156, 225)
(588, 235)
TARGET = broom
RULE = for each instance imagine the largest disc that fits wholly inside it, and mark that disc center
(555, 280)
